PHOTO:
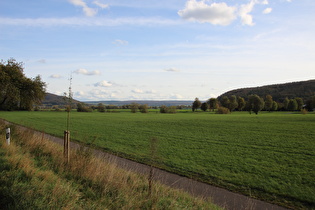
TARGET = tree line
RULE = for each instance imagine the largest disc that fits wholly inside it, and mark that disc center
(224, 105)
(254, 103)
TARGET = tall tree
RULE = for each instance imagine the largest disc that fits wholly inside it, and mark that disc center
(300, 103)
(204, 106)
(213, 103)
(274, 106)
(268, 102)
(241, 103)
(225, 102)
(18, 91)
(255, 103)
(293, 105)
(286, 103)
(196, 104)
(310, 103)
(233, 103)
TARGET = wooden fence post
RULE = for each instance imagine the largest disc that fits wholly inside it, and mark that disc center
(7, 135)
(66, 145)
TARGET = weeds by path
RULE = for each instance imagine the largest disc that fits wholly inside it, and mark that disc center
(33, 175)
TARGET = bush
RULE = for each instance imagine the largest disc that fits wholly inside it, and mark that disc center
(101, 107)
(144, 108)
(170, 109)
(134, 107)
(83, 108)
(223, 110)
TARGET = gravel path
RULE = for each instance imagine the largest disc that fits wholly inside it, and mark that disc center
(219, 196)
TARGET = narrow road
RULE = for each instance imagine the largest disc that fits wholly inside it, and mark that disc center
(221, 197)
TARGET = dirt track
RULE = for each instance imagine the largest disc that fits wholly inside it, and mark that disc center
(219, 196)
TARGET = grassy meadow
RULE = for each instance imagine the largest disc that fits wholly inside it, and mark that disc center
(33, 175)
(270, 156)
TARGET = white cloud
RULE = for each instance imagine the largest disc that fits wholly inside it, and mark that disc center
(55, 76)
(220, 13)
(244, 11)
(96, 95)
(216, 13)
(176, 96)
(137, 91)
(267, 10)
(88, 11)
(103, 84)
(86, 72)
(120, 42)
(101, 5)
(172, 70)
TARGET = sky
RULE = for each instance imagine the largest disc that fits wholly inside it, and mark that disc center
(159, 49)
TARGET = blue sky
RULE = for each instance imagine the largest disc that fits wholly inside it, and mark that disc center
(159, 50)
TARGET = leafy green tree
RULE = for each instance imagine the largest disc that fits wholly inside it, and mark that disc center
(241, 103)
(310, 103)
(286, 103)
(18, 91)
(293, 105)
(233, 103)
(196, 104)
(225, 102)
(255, 103)
(213, 103)
(300, 103)
(268, 103)
(204, 106)
(274, 106)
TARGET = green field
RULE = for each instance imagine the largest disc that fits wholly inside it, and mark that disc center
(270, 156)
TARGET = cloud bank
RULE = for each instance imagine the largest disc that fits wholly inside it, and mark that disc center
(216, 13)
(220, 13)
(103, 84)
(86, 72)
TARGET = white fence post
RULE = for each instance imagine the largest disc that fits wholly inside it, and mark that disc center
(7, 135)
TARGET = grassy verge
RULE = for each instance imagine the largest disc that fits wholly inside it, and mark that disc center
(34, 176)
(269, 156)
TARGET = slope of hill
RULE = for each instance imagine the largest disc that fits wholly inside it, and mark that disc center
(279, 92)
(52, 99)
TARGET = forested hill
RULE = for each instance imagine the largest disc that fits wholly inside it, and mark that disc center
(303, 89)
(52, 99)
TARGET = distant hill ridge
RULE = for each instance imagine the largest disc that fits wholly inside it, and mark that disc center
(52, 99)
(302, 89)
